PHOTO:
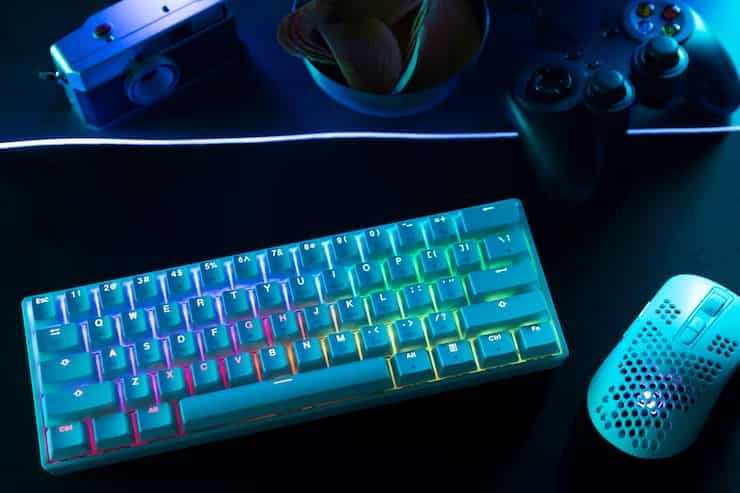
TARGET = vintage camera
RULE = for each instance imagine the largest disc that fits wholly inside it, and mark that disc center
(137, 53)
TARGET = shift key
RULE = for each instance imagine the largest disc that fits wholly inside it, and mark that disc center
(507, 312)
(81, 402)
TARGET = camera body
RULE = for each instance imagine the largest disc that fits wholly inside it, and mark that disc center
(137, 53)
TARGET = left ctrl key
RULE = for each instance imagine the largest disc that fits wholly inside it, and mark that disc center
(67, 440)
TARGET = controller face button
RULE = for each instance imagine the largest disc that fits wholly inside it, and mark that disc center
(645, 9)
(551, 83)
(671, 12)
(645, 26)
(663, 53)
(102, 31)
(671, 29)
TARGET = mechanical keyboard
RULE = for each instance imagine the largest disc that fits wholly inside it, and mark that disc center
(163, 360)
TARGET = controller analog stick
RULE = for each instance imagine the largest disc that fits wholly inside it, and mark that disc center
(609, 90)
(552, 83)
(663, 53)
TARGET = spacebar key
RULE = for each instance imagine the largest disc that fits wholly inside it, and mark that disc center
(203, 411)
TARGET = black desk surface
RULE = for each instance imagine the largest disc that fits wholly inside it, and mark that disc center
(72, 216)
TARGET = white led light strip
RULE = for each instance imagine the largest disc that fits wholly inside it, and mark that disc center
(276, 139)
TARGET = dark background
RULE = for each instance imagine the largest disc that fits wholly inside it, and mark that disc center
(78, 215)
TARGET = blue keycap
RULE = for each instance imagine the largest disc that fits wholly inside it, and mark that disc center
(239, 369)
(317, 320)
(400, 271)
(113, 297)
(213, 275)
(138, 391)
(180, 284)
(247, 270)
(484, 285)
(156, 421)
(537, 340)
(67, 440)
(102, 332)
(335, 284)
(313, 257)
(433, 264)
(342, 348)
(416, 299)
(203, 311)
(112, 430)
(80, 304)
(46, 309)
(250, 334)
(308, 355)
(302, 291)
(344, 250)
(442, 230)
(171, 384)
(183, 347)
(495, 349)
(217, 340)
(476, 222)
(503, 246)
(236, 304)
(279, 263)
(502, 313)
(284, 327)
(454, 358)
(449, 293)
(147, 290)
(412, 367)
(384, 306)
(135, 325)
(409, 334)
(269, 298)
(73, 368)
(60, 339)
(116, 360)
(149, 355)
(81, 402)
(375, 341)
(351, 313)
(169, 318)
(442, 327)
(274, 362)
(206, 376)
(465, 257)
(368, 277)
(410, 236)
(378, 243)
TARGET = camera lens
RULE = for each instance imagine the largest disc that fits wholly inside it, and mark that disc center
(152, 80)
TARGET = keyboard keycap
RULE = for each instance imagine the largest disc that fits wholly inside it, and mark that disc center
(149, 355)
(156, 421)
(495, 349)
(171, 384)
(442, 230)
(236, 304)
(246, 270)
(112, 430)
(60, 339)
(308, 355)
(217, 341)
(537, 340)
(274, 362)
(375, 341)
(250, 334)
(482, 285)
(116, 361)
(317, 320)
(454, 358)
(180, 284)
(113, 297)
(410, 236)
(203, 311)
(269, 298)
(341, 348)
(73, 368)
(206, 376)
(313, 257)
(67, 440)
(147, 290)
(300, 390)
(502, 313)
(384, 306)
(135, 325)
(433, 264)
(213, 275)
(81, 402)
(284, 327)
(279, 263)
(401, 271)
(412, 367)
(409, 334)
(46, 309)
(476, 222)
(169, 318)
(102, 332)
(377, 244)
(138, 391)
(449, 293)
(368, 277)
(351, 313)
(416, 299)
(80, 304)
(335, 284)
(240, 370)
(504, 246)
(183, 347)
(442, 327)
(465, 257)
(302, 291)
(345, 251)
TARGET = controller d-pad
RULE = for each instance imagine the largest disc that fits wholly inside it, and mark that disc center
(551, 83)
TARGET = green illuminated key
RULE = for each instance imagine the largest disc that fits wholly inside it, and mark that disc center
(433, 264)
(503, 246)
(410, 236)
(484, 284)
(442, 327)
(495, 349)
(465, 257)
(453, 358)
(409, 334)
(537, 340)
(476, 222)
(378, 243)
(416, 299)
(312, 257)
(502, 313)
(335, 284)
(449, 293)
(375, 341)
(342, 348)
(412, 367)
(384, 306)
(368, 277)
(308, 355)
(351, 313)
(442, 230)
(345, 251)
(401, 271)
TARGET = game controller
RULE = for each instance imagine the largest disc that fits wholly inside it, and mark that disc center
(137, 53)
(655, 390)
(573, 108)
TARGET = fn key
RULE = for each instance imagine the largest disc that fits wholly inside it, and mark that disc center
(537, 340)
